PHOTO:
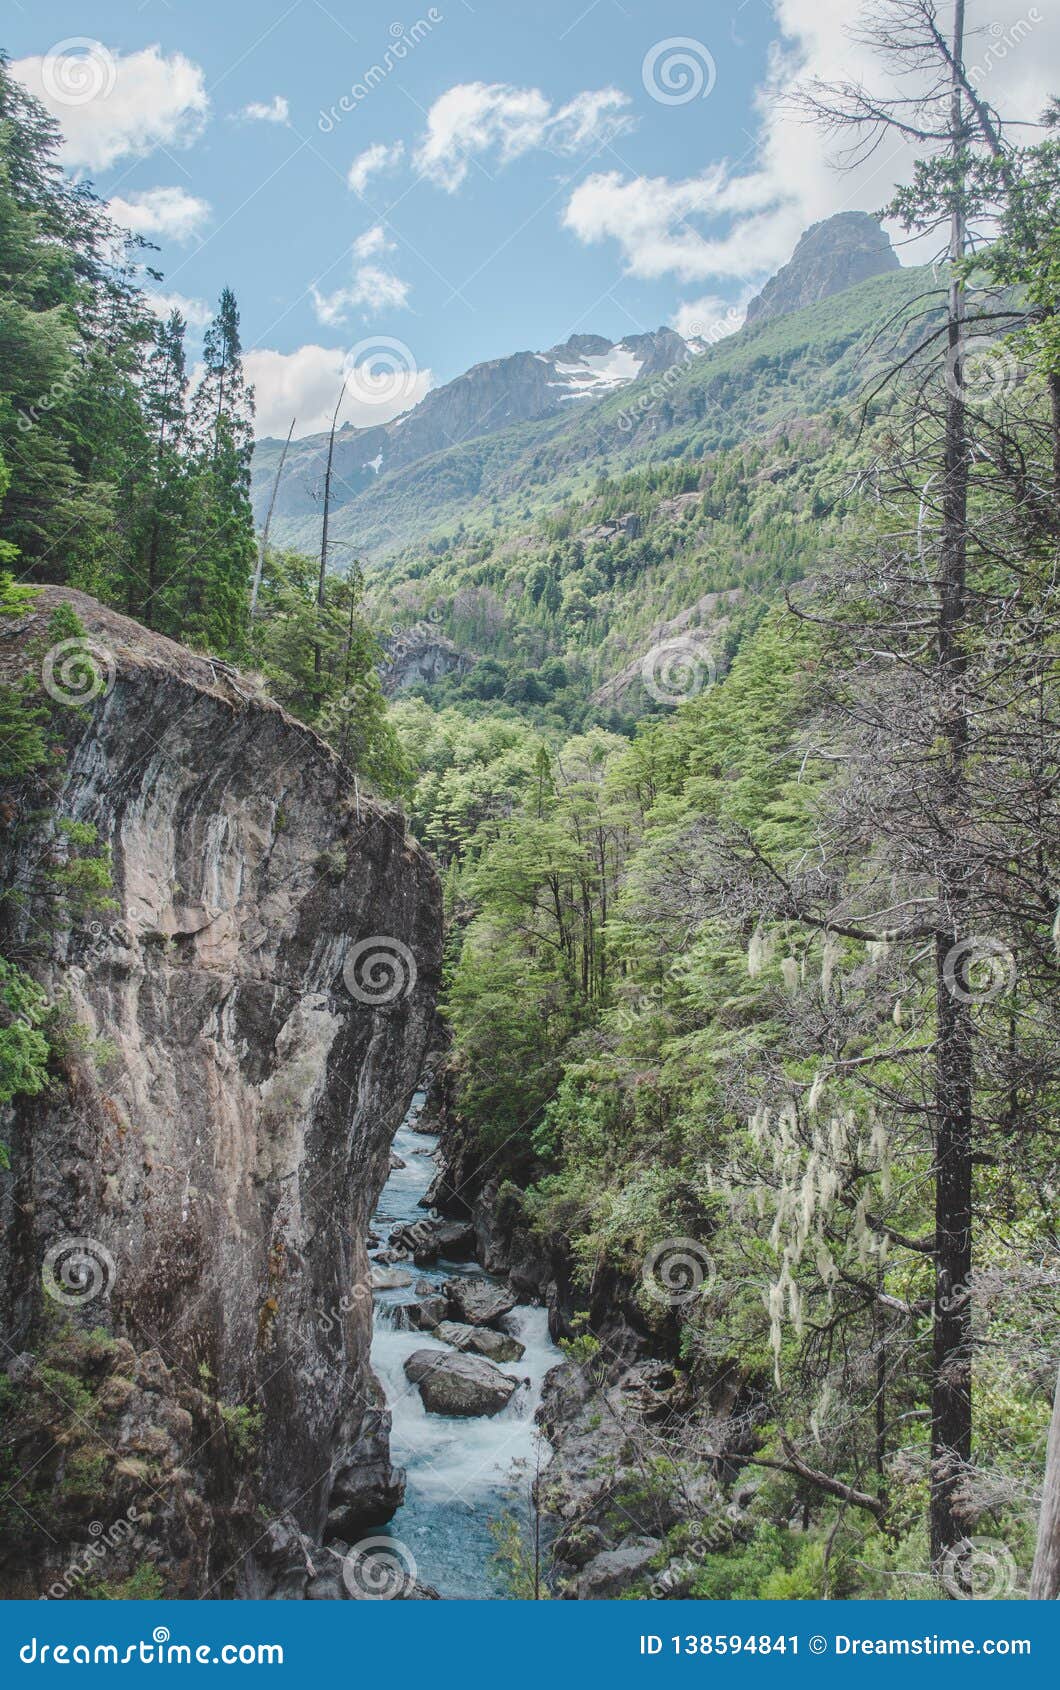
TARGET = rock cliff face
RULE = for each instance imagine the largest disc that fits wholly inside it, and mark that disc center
(419, 656)
(260, 998)
(831, 256)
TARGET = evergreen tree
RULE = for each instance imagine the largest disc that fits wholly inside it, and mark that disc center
(218, 573)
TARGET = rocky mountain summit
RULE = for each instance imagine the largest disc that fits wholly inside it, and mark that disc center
(515, 425)
(830, 257)
(486, 399)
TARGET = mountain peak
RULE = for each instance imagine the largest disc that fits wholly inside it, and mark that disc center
(830, 257)
(487, 398)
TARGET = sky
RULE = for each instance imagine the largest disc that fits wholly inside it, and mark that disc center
(395, 192)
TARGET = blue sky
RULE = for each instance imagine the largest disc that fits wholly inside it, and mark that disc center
(520, 172)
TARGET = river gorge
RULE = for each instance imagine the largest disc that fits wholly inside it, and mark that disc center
(462, 1474)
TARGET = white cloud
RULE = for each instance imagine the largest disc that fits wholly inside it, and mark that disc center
(372, 288)
(374, 159)
(493, 117)
(196, 312)
(372, 241)
(657, 223)
(305, 384)
(171, 213)
(113, 105)
(276, 110)
(710, 318)
(735, 222)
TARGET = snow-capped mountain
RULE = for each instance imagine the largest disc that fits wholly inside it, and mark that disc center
(484, 400)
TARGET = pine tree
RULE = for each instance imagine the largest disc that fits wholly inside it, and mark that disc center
(217, 575)
(154, 586)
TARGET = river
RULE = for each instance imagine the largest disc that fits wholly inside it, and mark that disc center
(463, 1473)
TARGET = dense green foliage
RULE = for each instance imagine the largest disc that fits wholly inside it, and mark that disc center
(702, 960)
(116, 479)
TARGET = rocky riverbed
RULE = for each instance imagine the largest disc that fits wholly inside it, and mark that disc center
(463, 1366)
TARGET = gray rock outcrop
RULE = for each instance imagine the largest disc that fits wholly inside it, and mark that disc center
(222, 1161)
(459, 1384)
(830, 257)
(478, 1303)
(495, 1346)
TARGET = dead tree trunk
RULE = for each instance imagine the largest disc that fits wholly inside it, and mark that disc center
(263, 547)
(1045, 1577)
(951, 1397)
(322, 579)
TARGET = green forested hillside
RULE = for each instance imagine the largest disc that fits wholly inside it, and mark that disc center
(742, 770)
(753, 991)
(760, 378)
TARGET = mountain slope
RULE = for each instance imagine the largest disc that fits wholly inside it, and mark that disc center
(791, 366)
(485, 400)
(486, 442)
(560, 571)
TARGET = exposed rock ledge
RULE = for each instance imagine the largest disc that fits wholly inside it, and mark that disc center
(228, 1156)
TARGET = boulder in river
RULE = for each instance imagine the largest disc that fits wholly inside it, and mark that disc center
(417, 1239)
(425, 1315)
(454, 1383)
(495, 1346)
(426, 1240)
(390, 1278)
(477, 1302)
(456, 1240)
